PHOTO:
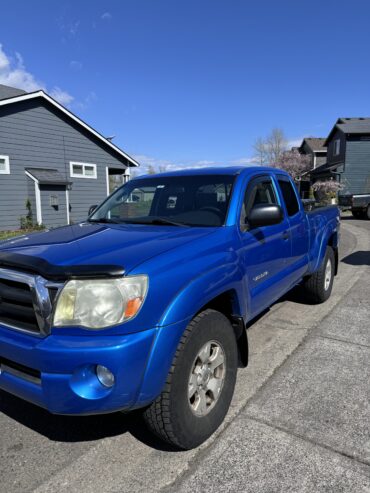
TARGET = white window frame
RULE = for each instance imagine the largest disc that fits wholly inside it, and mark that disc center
(7, 166)
(336, 147)
(75, 175)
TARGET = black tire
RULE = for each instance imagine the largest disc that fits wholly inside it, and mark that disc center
(317, 290)
(357, 214)
(170, 416)
(367, 213)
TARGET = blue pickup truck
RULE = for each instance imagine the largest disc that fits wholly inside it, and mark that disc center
(145, 304)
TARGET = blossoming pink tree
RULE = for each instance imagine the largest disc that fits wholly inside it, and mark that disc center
(294, 163)
(327, 186)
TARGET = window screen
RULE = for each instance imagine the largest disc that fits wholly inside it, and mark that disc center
(289, 196)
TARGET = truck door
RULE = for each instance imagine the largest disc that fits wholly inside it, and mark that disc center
(298, 227)
(266, 250)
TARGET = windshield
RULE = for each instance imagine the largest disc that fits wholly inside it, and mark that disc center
(198, 200)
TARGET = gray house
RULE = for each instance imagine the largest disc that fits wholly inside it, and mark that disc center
(348, 156)
(315, 148)
(52, 160)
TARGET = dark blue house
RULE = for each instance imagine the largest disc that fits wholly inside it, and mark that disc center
(348, 156)
(51, 160)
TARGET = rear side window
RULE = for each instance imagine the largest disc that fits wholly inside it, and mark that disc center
(289, 196)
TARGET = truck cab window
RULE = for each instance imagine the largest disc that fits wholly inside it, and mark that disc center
(289, 196)
(258, 192)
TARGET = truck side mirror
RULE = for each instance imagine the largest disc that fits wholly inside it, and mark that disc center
(92, 209)
(265, 215)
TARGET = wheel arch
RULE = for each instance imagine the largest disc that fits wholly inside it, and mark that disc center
(228, 304)
(333, 242)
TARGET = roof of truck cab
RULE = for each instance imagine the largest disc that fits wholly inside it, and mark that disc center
(219, 170)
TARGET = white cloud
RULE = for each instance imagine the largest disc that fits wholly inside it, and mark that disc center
(204, 162)
(73, 27)
(295, 142)
(75, 65)
(62, 96)
(244, 161)
(106, 16)
(13, 73)
(89, 99)
(149, 161)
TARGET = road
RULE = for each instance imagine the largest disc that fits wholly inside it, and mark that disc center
(298, 421)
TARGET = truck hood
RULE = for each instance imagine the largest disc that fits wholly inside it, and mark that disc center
(84, 244)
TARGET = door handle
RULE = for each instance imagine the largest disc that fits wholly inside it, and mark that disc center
(285, 235)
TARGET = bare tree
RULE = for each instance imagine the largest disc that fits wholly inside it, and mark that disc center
(162, 168)
(269, 150)
(276, 145)
(260, 149)
(151, 170)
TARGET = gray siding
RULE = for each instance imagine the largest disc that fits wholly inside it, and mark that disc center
(356, 175)
(53, 216)
(320, 159)
(331, 159)
(35, 134)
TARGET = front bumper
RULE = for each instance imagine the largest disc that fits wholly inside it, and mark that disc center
(58, 372)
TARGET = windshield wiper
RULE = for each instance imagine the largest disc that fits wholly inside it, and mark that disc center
(157, 220)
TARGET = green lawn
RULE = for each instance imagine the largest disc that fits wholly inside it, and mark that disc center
(5, 235)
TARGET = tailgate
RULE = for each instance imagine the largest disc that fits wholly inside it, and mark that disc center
(345, 200)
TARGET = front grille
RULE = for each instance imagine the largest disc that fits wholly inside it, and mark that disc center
(26, 301)
(30, 374)
(16, 306)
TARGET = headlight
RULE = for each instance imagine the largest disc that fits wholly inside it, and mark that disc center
(96, 304)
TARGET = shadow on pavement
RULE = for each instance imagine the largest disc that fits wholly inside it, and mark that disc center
(357, 258)
(78, 428)
(348, 218)
(298, 295)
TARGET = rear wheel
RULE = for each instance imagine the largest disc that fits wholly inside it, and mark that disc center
(320, 284)
(357, 214)
(200, 384)
(367, 215)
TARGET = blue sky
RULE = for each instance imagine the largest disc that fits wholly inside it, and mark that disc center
(196, 81)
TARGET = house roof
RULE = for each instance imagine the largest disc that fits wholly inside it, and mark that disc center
(47, 176)
(353, 119)
(350, 126)
(324, 169)
(316, 144)
(355, 127)
(9, 92)
(41, 94)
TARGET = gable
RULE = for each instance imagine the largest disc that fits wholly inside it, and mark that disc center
(45, 98)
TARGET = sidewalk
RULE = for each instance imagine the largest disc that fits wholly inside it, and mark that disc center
(308, 428)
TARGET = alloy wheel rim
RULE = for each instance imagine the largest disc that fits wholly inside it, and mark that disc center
(327, 275)
(206, 378)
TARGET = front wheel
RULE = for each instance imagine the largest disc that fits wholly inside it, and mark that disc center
(320, 284)
(200, 384)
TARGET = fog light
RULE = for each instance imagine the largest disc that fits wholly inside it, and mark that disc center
(105, 376)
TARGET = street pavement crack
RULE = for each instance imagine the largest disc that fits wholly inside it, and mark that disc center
(306, 439)
(337, 339)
